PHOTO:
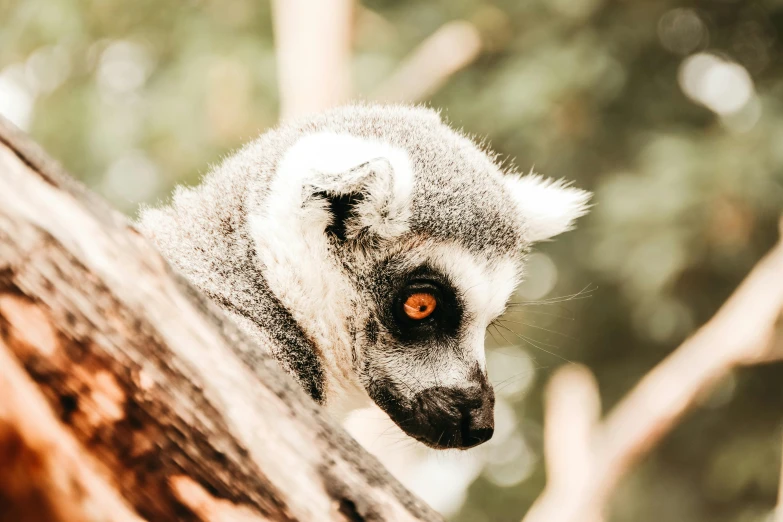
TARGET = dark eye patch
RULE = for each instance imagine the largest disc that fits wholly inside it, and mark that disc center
(442, 324)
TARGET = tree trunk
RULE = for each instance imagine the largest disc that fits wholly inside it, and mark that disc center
(125, 395)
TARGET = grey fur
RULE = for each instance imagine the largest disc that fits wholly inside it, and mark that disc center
(458, 197)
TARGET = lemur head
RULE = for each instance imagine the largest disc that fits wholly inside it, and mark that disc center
(395, 241)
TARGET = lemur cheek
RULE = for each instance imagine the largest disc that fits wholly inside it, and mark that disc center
(371, 332)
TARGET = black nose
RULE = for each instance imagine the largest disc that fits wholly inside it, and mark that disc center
(453, 417)
(478, 423)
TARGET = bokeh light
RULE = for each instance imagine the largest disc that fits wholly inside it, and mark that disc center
(722, 86)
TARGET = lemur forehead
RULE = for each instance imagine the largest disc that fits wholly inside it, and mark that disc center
(336, 154)
(486, 284)
(453, 190)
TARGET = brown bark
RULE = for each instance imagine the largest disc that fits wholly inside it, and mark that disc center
(125, 395)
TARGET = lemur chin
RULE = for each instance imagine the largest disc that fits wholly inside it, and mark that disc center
(368, 247)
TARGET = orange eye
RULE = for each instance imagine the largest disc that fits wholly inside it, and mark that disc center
(419, 306)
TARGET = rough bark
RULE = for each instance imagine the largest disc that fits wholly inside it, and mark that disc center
(125, 395)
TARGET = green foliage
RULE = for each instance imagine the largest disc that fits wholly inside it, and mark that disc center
(136, 97)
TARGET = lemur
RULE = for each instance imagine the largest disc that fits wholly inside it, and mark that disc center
(369, 247)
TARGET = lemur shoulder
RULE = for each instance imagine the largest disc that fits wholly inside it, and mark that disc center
(369, 247)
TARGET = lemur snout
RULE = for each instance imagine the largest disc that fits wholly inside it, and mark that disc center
(453, 417)
(478, 424)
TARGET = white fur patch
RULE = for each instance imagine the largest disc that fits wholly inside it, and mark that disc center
(294, 249)
(547, 207)
(332, 163)
(485, 287)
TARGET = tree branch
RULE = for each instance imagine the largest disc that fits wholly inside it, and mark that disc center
(313, 42)
(130, 394)
(746, 330)
(572, 410)
(44, 475)
(451, 48)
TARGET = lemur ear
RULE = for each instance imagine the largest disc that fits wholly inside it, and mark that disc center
(348, 186)
(546, 207)
(359, 199)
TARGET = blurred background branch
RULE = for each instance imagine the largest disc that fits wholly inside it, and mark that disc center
(743, 332)
(572, 412)
(314, 55)
(313, 44)
(452, 47)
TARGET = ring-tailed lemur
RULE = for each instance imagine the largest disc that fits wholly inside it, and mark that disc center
(370, 247)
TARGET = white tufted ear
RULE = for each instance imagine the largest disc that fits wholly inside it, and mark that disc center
(344, 184)
(547, 207)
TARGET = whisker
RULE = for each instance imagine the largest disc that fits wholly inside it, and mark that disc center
(532, 343)
(496, 325)
(538, 328)
(584, 293)
(529, 339)
(505, 385)
(520, 304)
(569, 317)
(403, 443)
(489, 331)
(508, 380)
(498, 350)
